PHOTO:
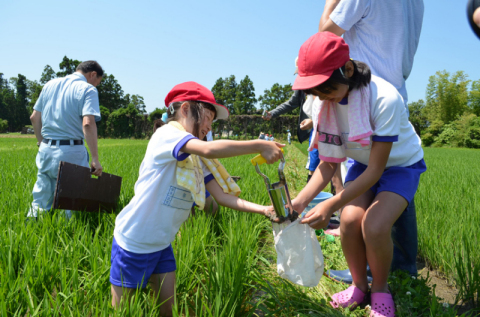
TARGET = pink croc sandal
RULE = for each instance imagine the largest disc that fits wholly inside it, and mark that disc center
(352, 296)
(382, 305)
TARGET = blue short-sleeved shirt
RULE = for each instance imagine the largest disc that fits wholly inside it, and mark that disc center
(63, 104)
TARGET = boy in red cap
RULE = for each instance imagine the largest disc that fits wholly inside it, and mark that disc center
(363, 117)
(177, 169)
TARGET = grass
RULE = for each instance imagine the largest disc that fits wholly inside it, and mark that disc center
(226, 265)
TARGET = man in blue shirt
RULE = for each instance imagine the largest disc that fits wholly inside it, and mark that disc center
(65, 115)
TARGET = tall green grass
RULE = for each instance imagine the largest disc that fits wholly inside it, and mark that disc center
(226, 264)
(448, 215)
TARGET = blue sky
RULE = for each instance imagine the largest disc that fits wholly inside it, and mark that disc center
(150, 46)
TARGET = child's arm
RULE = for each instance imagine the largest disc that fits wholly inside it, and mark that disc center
(319, 216)
(226, 148)
(236, 203)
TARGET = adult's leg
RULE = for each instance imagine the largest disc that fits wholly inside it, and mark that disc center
(405, 241)
(163, 286)
(45, 185)
(353, 245)
(377, 226)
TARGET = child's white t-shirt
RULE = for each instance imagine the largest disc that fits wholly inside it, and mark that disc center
(151, 220)
(389, 123)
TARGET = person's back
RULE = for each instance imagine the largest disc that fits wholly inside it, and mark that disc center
(382, 34)
(64, 101)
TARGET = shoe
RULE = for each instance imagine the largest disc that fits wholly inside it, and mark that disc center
(332, 232)
(351, 297)
(344, 276)
(382, 305)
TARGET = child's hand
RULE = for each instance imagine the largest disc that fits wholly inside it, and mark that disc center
(297, 206)
(269, 212)
(319, 216)
(271, 151)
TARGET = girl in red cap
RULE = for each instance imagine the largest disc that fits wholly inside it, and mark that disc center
(363, 117)
(176, 171)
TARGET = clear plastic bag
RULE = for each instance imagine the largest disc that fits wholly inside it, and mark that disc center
(299, 256)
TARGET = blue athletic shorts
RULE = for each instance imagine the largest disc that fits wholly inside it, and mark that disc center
(399, 180)
(313, 159)
(133, 270)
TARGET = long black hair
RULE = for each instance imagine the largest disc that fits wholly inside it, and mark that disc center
(361, 78)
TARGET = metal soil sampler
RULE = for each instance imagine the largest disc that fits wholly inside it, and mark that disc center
(278, 192)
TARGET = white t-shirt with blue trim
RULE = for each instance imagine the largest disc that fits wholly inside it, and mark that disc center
(153, 217)
(389, 123)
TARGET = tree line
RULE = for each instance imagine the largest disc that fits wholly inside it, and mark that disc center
(450, 114)
(18, 96)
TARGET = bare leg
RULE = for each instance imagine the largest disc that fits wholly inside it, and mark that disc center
(119, 293)
(337, 180)
(353, 245)
(163, 286)
(376, 227)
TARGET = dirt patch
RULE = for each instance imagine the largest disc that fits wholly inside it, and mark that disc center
(444, 288)
(17, 135)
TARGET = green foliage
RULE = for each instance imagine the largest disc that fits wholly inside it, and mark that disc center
(245, 97)
(34, 90)
(275, 96)
(67, 67)
(474, 98)
(156, 114)
(447, 96)
(121, 122)
(110, 93)
(137, 101)
(3, 125)
(417, 116)
(47, 75)
(250, 126)
(226, 264)
(448, 208)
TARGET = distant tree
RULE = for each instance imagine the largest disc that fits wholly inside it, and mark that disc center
(102, 124)
(22, 102)
(447, 96)
(157, 114)
(47, 74)
(245, 97)
(121, 122)
(474, 98)
(230, 93)
(218, 91)
(110, 93)
(417, 116)
(275, 96)
(138, 103)
(3, 125)
(68, 66)
(33, 90)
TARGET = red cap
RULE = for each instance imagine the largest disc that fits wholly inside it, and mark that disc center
(192, 91)
(319, 56)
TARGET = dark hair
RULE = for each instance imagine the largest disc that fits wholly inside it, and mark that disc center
(91, 66)
(196, 108)
(157, 124)
(361, 78)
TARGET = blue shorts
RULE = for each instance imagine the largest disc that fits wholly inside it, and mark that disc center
(132, 270)
(399, 180)
(313, 159)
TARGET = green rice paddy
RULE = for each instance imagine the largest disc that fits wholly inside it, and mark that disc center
(226, 264)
